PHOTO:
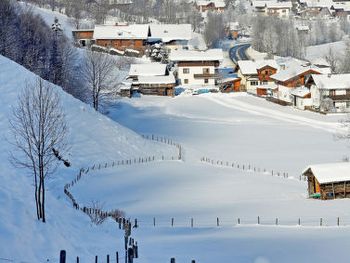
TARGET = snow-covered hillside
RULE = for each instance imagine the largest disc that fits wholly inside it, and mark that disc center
(93, 138)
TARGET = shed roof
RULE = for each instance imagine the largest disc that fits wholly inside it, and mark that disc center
(149, 69)
(136, 31)
(217, 3)
(300, 92)
(330, 172)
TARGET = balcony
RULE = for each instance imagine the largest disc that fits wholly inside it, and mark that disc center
(345, 97)
(206, 76)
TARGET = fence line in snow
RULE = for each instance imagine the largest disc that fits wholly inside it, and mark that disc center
(117, 215)
(251, 168)
(241, 221)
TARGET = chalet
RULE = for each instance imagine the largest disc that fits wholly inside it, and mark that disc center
(123, 37)
(328, 181)
(228, 81)
(197, 68)
(152, 79)
(279, 9)
(204, 6)
(291, 76)
(315, 8)
(83, 37)
(272, 8)
(341, 10)
(256, 76)
(330, 93)
(173, 36)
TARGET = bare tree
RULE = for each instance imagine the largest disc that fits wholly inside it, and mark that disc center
(332, 59)
(39, 130)
(98, 74)
(214, 29)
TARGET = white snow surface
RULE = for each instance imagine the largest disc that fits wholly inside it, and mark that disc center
(93, 138)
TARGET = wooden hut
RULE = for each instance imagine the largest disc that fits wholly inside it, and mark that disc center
(328, 181)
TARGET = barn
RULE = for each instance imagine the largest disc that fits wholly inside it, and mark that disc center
(328, 181)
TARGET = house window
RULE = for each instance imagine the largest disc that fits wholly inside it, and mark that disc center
(263, 82)
(254, 83)
(206, 71)
(348, 104)
(186, 81)
(206, 81)
(186, 70)
(332, 92)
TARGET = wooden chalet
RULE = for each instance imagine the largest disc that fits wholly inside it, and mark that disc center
(291, 77)
(83, 37)
(328, 181)
(152, 79)
(122, 37)
(210, 5)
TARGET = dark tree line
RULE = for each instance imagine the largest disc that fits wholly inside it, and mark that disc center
(26, 39)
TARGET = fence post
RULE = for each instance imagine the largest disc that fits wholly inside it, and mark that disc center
(172, 260)
(62, 256)
(217, 222)
(338, 221)
(107, 258)
(321, 221)
(192, 222)
(96, 259)
(258, 220)
(77, 259)
(117, 257)
(299, 222)
(154, 221)
(276, 221)
(239, 221)
(172, 221)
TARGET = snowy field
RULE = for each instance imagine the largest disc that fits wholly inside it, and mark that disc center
(241, 129)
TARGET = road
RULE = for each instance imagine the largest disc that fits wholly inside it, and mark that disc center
(238, 52)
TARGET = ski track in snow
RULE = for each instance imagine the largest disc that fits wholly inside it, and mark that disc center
(261, 111)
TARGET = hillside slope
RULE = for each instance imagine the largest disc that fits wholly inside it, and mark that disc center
(93, 138)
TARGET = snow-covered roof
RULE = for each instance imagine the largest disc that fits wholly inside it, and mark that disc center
(335, 81)
(193, 55)
(217, 3)
(169, 79)
(249, 67)
(136, 31)
(279, 5)
(149, 69)
(330, 172)
(300, 92)
(170, 32)
(271, 4)
(317, 3)
(292, 70)
(345, 6)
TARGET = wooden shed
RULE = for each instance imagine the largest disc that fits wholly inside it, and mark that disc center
(328, 181)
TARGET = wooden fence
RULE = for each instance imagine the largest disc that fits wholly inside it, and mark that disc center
(244, 221)
(125, 224)
(251, 168)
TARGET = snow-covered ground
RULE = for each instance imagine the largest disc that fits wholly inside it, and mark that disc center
(93, 138)
(320, 51)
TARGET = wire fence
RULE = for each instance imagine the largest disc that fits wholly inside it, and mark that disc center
(252, 168)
